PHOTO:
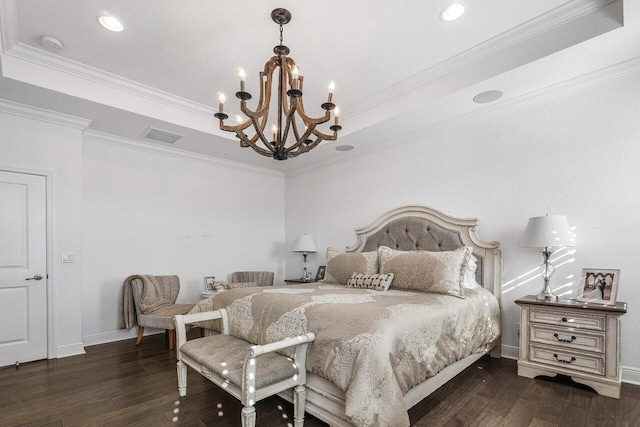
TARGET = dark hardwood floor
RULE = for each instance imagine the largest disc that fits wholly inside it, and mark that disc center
(120, 384)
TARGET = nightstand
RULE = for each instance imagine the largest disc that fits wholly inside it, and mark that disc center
(205, 295)
(297, 281)
(572, 338)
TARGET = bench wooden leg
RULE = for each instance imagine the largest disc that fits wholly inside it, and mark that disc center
(299, 397)
(248, 416)
(172, 338)
(140, 332)
(182, 378)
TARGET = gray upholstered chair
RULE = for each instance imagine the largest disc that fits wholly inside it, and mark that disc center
(162, 318)
(264, 278)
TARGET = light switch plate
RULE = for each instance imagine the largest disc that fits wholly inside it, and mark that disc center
(68, 257)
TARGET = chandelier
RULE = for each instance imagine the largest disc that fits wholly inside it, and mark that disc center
(295, 133)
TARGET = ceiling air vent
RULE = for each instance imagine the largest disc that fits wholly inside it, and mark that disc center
(160, 135)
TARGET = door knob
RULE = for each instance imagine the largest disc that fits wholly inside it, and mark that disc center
(36, 277)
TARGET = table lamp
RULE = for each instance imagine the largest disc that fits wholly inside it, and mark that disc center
(304, 244)
(547, 232)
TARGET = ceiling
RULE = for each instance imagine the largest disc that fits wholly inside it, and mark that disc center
(400, 71)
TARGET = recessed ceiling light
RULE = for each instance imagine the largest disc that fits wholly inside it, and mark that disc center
(51, 43)
(488, 96)
(452, 12)
(344, 147)
(111, 23)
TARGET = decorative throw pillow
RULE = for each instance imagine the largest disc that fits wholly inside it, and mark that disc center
(378, 282)
(436, 272)
(340, 266)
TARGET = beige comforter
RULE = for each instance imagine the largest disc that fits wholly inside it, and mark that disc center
(373, 345)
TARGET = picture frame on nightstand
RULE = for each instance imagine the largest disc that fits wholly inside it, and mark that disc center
(598, 286)
(320, 273)
(209, 283)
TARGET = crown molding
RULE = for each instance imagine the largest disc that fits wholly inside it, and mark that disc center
(11, 46)
(43, 115)
(521, 34)
(578, 84)
(9, 22)
(118, 141)
(113, 81)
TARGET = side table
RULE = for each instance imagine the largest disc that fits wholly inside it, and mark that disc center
(568, 337)
(297, 281)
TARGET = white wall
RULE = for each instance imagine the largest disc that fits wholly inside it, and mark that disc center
(136, 207)
(577, 156)
(38, 146)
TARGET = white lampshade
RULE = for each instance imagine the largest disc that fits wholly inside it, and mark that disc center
(548, 231)
(304, 243)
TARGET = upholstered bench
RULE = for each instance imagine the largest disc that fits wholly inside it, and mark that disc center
(248, 372)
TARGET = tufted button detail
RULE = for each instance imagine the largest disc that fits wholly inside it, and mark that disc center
(427, 228)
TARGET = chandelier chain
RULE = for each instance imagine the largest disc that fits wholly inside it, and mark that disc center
(280, 33)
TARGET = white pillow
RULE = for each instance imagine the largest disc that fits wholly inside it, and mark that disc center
(470, 274)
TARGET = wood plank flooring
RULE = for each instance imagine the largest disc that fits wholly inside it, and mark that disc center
(119, 384)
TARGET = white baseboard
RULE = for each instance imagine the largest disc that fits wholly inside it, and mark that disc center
(69, 350)
(510, 351)
(630, 374)
(112, 336)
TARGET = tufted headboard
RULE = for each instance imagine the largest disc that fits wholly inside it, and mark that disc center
(416, 227)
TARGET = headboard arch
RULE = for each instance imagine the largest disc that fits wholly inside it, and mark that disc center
(415, 227)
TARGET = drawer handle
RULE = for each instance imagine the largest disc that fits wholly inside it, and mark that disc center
(563, 339)
(564, 361)
(564, 319)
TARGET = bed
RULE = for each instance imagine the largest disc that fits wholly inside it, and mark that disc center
(377, 354)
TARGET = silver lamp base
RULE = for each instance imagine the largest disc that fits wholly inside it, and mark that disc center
(546, 294)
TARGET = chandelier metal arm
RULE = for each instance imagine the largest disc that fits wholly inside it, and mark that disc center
(250, 143)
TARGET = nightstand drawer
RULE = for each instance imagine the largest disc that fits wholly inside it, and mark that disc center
(568, 338)
(591, 363)
(568, 319)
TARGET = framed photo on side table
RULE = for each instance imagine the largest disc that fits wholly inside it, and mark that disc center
(598, 286)
(320, 273)
(209, 283)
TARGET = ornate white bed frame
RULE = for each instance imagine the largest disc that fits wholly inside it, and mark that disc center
(326, 401)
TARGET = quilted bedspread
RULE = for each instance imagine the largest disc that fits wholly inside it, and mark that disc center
(375, 346)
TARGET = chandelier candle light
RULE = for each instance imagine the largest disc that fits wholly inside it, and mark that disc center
(290, 114)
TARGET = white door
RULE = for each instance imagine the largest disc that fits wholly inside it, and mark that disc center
(23, 268)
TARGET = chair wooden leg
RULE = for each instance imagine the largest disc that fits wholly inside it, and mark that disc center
(248, 416)
(172, 338)
(140, 332)
(182, 378)
(299, 397)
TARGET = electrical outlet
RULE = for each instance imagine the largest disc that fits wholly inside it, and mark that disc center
(187, 233)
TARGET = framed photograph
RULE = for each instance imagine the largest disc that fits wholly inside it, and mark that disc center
(598, 286)
(209, 283)
(320, 273)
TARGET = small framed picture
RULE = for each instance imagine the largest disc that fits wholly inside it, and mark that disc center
(320, 273)
(598, 286)
(209, 283)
